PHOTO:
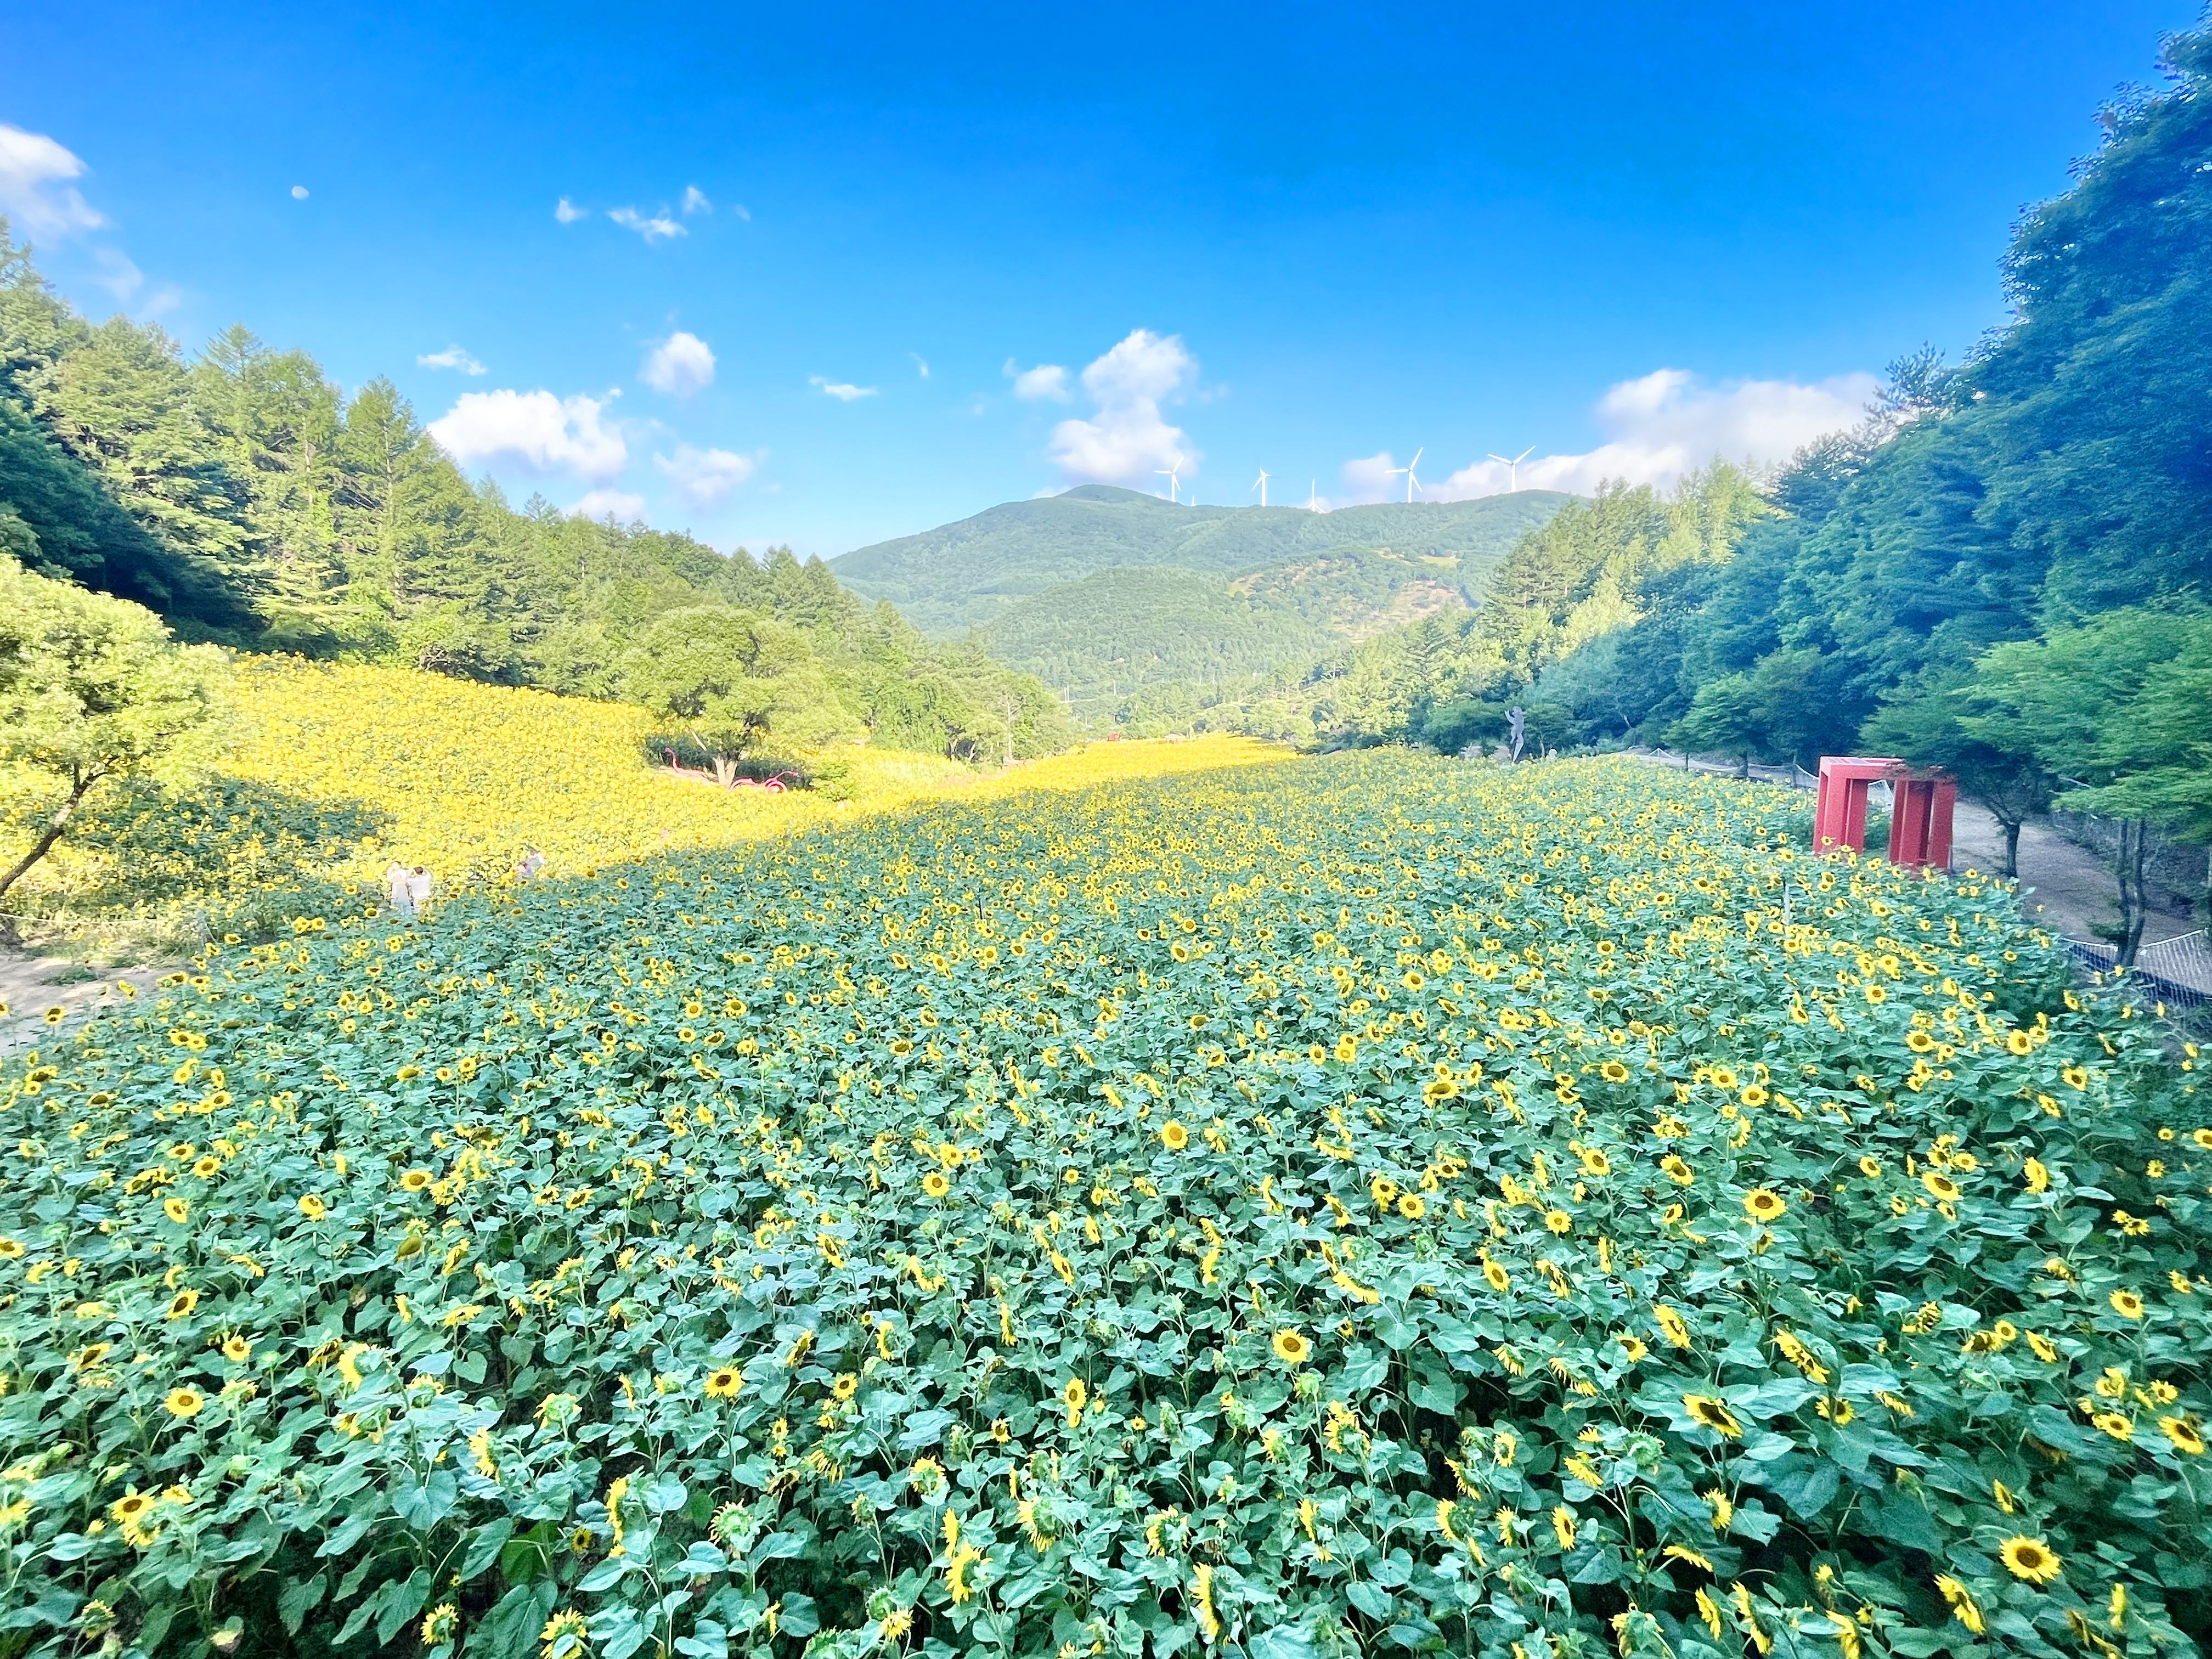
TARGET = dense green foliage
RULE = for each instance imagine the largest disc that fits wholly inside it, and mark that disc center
(1557, 604)
(1363, 1204)
(94, 691)
(961, 575)
(244, 497)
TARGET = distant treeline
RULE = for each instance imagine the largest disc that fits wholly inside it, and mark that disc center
(249, 500)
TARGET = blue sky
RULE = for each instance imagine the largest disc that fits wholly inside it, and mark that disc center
(1312, 240)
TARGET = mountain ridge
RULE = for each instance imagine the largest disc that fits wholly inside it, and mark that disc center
(970, 573)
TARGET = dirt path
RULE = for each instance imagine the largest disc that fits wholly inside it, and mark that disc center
(2066, 887)
(31, 986)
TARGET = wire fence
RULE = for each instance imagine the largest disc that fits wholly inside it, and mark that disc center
(2174, 973)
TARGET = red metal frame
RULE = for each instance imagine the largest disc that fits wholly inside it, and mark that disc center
(1919, 822)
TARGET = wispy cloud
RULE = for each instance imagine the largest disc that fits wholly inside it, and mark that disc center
(118, 274)
(659, 227)
(35, 187)
(679, 366)
(920, 364)
(452, 356)
(567, 212)
(617, 504)
(1126, 440)
(1669, 422)
(843, 390)
(695, 200)
(539, 431)
(1046, 382)
(299, 192)
(703, 477)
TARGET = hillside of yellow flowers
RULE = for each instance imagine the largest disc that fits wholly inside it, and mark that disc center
(1338, 1207)
(339, 770)
(471, 776)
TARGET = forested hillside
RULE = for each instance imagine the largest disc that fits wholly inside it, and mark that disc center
(1113, 638)
(250, 500)
(960, 574)
(2003, 570)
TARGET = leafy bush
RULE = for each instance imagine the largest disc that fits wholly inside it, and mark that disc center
(1363, 1203)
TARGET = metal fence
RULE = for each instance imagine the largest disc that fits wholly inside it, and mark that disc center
(2175, 973)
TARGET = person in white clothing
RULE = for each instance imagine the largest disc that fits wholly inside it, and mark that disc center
(395, 879)
(418, 891)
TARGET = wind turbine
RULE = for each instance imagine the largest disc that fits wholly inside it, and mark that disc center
(1513, 467)
(1260, 485)
(1168, 473)
(1413, 483)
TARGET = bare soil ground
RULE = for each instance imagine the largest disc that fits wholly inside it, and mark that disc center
(31, 986)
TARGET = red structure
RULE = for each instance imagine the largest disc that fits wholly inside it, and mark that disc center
(1919, 820)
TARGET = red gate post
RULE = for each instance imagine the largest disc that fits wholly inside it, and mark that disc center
(1839, 813)
(1920, 823)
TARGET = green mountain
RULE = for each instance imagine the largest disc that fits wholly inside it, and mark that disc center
(962, 575)
(1137, 627)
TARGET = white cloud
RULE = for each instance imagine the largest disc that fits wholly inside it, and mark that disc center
(1127, 441)
(36, 191)
(543, 433)
(1668, 423)
(739, 208)
(1374, 477)
(680, 365)
(118, 274)
(452, 356)
(703, 477)
(567, 212)
(617, 504)
(299, 192)
(920, 364)
(695, 200)
(661, 226)
(843, 390)
(1046, 381)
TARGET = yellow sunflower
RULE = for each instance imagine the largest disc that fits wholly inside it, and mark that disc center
(1291, 1347)
(723, 1382)
(935, 1184)
(1764, 1204)
(2127, 1304)
(2184, 1434)
(1412, 1206)
(1613, 1071)
(2029, 1558)
(1940, 1186)
(176, 1209)
(414, 1180)
(237, 1350)
(1712, 1414)
(184, 1402)
(314, 1208)
(1174, 1136)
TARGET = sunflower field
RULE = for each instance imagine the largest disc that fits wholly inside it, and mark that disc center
(1334, 1207)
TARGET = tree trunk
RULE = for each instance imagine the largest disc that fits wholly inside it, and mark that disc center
(2133, 905)
(1743, 766)
(52, 833)
(2012, 848)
